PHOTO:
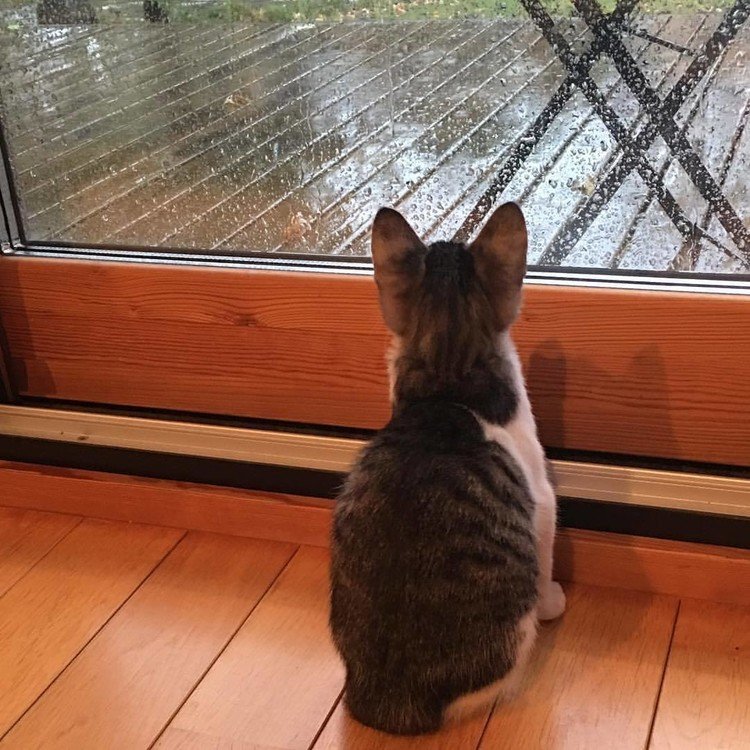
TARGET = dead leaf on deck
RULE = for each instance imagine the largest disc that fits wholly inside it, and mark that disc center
(587, 186)
(235, 101)
(296, 229)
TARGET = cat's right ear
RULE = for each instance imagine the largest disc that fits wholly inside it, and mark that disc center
(398, 257)
(500, 259)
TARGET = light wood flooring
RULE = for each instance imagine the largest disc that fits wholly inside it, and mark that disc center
(116, 635)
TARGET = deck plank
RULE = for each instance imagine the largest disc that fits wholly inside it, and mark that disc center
(40, 46)
(735, 181)
(188, 143)
(131, 52)
(25, 537)
(705, 699)
(276, 682)
(132, 140)
(165, 637)
(554, 181)
(214, 142)
(58, 606)
(718, 104)
(569, 180)
(189, 98)
(594, 677)
(342, 77)
(362, 129)
(182, 71)
(484, 84)
(193, 81)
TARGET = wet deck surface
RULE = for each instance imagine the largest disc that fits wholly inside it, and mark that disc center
(286, 138)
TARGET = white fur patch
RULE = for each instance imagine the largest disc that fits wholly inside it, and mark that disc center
(519, 437)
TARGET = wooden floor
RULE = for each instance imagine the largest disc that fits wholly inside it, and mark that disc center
(286, 138)
(118, 635)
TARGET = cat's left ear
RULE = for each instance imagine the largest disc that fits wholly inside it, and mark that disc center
(500, 260)
(398, 257)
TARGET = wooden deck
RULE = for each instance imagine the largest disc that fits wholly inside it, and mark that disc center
(116, 635)
(286, 138)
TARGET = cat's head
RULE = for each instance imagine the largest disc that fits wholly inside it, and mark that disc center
(447, 303)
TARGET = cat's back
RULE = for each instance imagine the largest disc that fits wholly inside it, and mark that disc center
(431, 470)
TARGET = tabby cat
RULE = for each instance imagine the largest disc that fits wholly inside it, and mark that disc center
(442, 538)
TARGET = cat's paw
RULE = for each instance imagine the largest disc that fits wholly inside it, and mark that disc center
(551, 602)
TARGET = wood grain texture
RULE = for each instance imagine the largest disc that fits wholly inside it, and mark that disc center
(705, 699)
(261, 515)
(124, 687)
(55, 609)
(344, 733)
(624, 371)
(180, 739)
(279, 677)
(25, 537)
(699, 571)
(594, 677)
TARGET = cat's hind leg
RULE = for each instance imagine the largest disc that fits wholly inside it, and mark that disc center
(551, 595)
(504, 689)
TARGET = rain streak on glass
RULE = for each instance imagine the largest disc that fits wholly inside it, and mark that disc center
(280, 126)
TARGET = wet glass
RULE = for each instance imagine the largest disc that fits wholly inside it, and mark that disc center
(280, 127)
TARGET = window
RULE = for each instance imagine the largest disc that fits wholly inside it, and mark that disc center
(280, 127)
(245, 146)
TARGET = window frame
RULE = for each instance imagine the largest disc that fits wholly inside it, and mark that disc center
(344, 318)
(295, 347)
(11, 223)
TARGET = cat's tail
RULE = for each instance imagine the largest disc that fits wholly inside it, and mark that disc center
(393, 709)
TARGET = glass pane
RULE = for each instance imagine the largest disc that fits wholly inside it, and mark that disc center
(281, 126)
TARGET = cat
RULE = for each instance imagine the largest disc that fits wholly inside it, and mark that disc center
(442, 535)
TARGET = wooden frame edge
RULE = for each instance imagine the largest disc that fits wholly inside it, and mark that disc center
(596, 558)
(627, 372)
(119, 497)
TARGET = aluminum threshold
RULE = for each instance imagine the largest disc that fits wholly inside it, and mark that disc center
(606, 483)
